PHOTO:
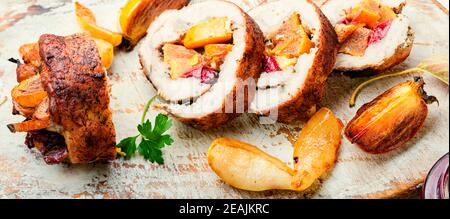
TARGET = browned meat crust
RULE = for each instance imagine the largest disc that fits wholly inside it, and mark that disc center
(250, 66)
(76, 84)
(299, 107)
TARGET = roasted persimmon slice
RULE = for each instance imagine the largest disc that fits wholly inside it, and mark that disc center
(357, 43)
(291, 40)
(343, 31)
(212, 31)
(216, 53)
(386, 13)
(180, 59)
(368, 17)
(30, 54)
(29, 93)
(25, 71)
(42, 110)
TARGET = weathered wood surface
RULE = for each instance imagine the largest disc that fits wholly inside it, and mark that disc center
(186, 173)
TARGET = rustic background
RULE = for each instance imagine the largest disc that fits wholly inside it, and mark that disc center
(186, 173)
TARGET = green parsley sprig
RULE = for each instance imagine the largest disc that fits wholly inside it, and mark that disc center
(152, 140)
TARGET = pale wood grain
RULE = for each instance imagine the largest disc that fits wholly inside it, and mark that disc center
(186, 173)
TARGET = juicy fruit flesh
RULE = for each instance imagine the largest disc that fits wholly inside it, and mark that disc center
(343, 31)
(315, 151)
(212, 31)
(216, 53)
(366, 16)
(211, 37)
(289, 42)
(128, 14)
(180, 59)
(357, 43)
(29, 93)
(390, 120)
(106, 52)
(244, 166)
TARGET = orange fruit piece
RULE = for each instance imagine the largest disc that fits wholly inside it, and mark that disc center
(29, 93)
(216, 53)
(291, 40)
(246, 167)
(212, 31)
(316, 149)
(343, 31)
(180, 59)
(87, 21)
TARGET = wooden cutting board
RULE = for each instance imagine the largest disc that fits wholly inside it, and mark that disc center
(186, 173)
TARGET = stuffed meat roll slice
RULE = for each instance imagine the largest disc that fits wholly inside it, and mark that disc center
(300, 52)
(199, 57)
(373, 34)
(63, 93)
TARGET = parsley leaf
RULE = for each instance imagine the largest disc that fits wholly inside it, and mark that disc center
(152, 139)
(128, 146)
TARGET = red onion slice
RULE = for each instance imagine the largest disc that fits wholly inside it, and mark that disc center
(436, 184)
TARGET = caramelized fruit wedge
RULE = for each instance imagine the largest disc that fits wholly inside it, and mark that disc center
(25, 71)
(316, 149)
(30, 54)
(291, 40)
(285, 62)
(137, 15)
(180, 59)
(391, 119)
(87, 21)
(29, 93)
(216, 53)
(30, 125)
(343, 31)
(106, 52)
(368, 17)
(42, 110)
(24, 111)
(357, 43)
(212, 31)
(246, 167)
(386, 13)
(366, 12)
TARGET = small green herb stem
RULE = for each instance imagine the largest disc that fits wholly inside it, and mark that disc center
(361, 86)
(147, 106)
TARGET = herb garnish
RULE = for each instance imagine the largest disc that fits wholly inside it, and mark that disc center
(152, 140)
